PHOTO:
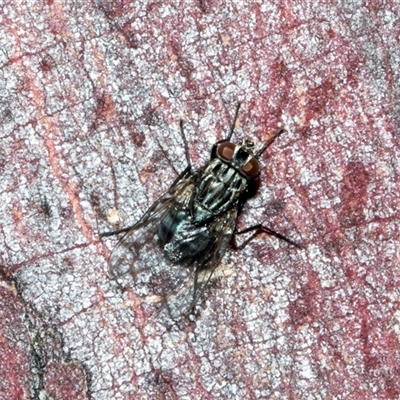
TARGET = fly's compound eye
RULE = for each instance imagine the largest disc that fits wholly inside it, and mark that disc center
(251, 168)
(226, 150)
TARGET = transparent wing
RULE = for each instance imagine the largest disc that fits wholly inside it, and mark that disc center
(184, 299)
(135, 249)
(175, 285)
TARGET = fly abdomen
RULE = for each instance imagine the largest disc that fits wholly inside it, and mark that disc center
(180, 239)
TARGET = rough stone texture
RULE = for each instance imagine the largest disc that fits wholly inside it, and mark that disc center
(14, 345)
(91, 95)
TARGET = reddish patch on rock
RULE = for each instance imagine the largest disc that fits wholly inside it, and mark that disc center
(130, 35)
(65, 381)
(104, 110)
(304, 308)
(354, 194)
(14, 344)
(206, 6)
(378, 354)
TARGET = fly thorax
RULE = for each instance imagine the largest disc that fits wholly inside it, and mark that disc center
(217, 191)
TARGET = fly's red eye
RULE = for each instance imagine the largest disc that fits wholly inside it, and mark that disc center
(226, 150)
(251, 168)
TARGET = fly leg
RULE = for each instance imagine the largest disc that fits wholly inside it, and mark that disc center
(231, 130)
(184, 174)
(269, 231)
(187, 155)
(214, 148)
(186, 146)
(233, 124)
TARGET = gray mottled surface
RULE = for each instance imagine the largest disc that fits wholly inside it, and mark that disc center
(91, 96)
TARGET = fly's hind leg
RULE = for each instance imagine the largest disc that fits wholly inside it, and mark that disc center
(262, 228)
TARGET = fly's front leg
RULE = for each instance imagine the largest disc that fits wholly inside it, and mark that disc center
(233, 124)
(231, 130)
(184, 174)
(269, 231)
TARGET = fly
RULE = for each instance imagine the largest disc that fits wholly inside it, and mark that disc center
(173, 250)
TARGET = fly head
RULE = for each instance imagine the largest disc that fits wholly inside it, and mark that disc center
(240, 157)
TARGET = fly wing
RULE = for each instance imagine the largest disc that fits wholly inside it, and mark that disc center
(183, 300)
(138, 247)
(175, 285)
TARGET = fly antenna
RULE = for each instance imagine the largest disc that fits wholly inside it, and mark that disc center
(269, 141)
(234, 122)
